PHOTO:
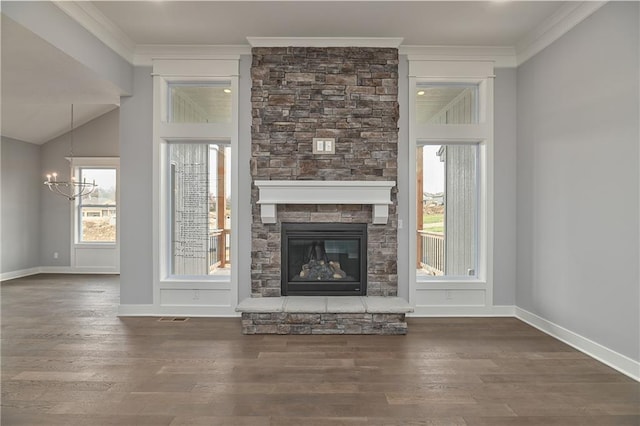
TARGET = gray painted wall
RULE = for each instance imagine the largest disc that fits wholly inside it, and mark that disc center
(578, 181)
(21, 185)
(504, 202)
(136, 150)
(97, 138)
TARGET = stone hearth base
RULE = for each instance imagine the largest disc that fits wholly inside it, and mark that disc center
(324, 315)
(290, 323)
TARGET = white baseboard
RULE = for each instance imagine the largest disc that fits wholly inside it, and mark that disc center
(11, 275)
(463, 311)
(72, 270)
(176, 311)
(613, 359)
(197, 311)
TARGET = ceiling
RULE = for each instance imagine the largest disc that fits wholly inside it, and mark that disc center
(475, 23)
(39, 82)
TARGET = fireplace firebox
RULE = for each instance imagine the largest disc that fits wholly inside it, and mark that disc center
(324, 259)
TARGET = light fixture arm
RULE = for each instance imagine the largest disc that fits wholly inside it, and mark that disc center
(70, 189)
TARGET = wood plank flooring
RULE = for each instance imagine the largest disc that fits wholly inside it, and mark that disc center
(68, 360)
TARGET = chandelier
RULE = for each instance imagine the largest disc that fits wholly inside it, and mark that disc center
(70, 189)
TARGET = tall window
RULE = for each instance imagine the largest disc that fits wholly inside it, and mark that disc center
(451, 192)
(446, 183)
(447, 209)
(195, 115)
(200, 208)
(96, 214)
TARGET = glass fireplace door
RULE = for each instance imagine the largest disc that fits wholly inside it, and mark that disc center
(324, 259)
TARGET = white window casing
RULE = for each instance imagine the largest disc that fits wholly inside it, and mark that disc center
(191, 295)
(449, 295)
(94, 257)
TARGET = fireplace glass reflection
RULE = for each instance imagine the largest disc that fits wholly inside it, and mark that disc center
(323, 259)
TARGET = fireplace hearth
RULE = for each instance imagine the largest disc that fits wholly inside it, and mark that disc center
(324, 259)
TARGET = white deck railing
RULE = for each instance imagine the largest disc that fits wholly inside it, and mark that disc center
(431, 252)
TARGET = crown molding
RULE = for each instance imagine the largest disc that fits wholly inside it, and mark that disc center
(558, 24)
(146, 53)
(502, 56)
(392, 42)
(567, 17)
(91, 19)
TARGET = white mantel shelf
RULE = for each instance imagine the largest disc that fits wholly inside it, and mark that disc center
(274, 192)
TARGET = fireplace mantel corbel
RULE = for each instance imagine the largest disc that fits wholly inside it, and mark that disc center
(274, 192)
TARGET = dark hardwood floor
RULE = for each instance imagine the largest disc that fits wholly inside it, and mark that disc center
(68, 360)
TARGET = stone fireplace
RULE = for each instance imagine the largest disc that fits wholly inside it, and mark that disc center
(350, 95)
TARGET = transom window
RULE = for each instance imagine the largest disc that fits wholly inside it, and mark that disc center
(446, 103)
(200, 102)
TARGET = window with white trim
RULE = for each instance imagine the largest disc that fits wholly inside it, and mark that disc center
(447, 213)
(195, 182)
(96, 212)
(199, 193)
(451, 126)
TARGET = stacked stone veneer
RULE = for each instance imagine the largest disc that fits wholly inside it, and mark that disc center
(323, 323)
(349, 94)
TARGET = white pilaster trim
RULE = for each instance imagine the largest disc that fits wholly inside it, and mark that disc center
(392, 42)
(607, 356)
(558, 24)
(94, 21)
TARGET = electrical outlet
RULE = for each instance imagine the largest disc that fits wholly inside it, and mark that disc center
(330, 146)
(324, 145)
(55, 254)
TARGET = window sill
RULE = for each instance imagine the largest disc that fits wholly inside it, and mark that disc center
(444, 284)
(221, 283)
(96, 245)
